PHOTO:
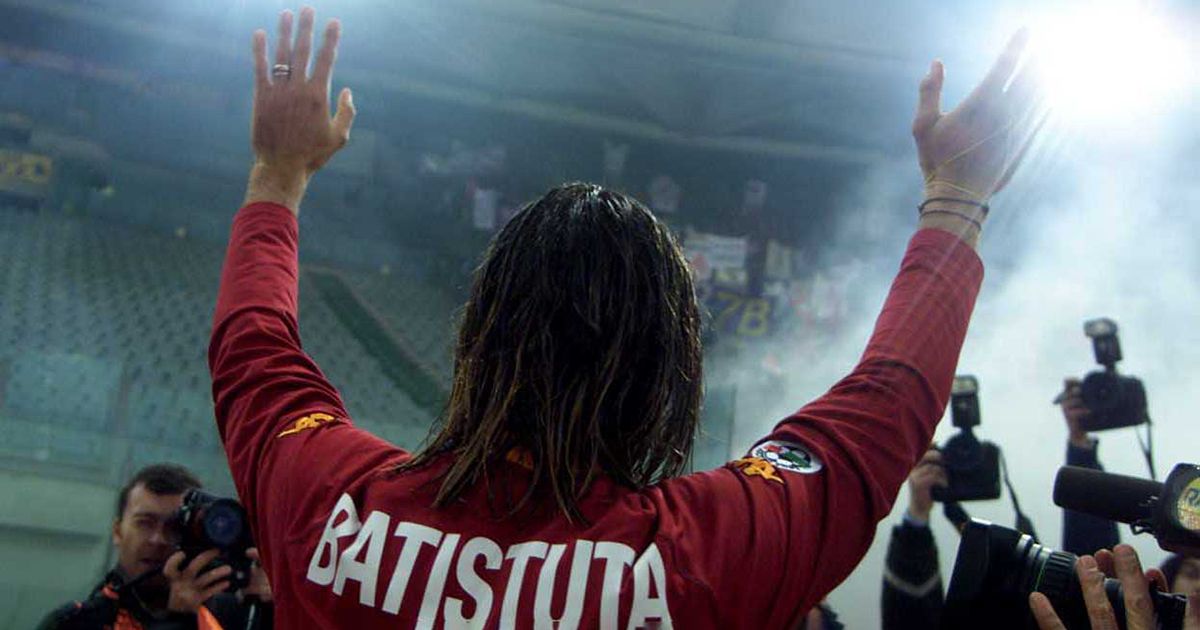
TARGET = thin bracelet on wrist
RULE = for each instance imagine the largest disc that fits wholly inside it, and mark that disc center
(978, 225)
(966, 202)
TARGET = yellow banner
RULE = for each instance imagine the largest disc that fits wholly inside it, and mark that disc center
(21, 169)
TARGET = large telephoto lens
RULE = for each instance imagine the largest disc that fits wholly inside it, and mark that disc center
(996, 570)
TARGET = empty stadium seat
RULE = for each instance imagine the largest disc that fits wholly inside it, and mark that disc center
(104, 332)
(71, 390)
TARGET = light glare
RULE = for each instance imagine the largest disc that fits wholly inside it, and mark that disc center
(1103, 62)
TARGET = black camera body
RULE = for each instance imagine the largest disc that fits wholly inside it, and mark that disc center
(1115, 401)
(205, 522)
(972, 465)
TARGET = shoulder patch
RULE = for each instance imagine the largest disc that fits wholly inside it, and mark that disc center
(787, 456)
(756, 467)
(311, 421)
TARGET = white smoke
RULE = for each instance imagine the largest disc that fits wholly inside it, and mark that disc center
(1105, 224)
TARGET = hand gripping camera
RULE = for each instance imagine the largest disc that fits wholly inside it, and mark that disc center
(972, 465)
(997, 568)
(1115, 401)
(204, 522)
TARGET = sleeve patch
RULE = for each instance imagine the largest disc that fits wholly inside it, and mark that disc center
(787, 456)
(756, 467)
(311, 421)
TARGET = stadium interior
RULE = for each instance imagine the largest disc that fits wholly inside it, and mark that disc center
(746, 124)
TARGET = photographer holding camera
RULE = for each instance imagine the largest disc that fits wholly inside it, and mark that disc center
(912, 581)
(1121, 564)
(154, 585)
(1082, 533)
(912, 585)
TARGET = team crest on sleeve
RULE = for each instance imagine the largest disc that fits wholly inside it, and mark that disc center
(787, 456)
(311, 421)
(757, 467)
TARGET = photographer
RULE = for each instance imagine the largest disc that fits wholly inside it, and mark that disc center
(912, 580)
(912, 584)
(179, 594)
(1082, 533)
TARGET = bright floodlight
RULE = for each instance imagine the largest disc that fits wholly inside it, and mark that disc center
(1109, 60)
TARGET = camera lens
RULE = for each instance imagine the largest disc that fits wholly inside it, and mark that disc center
(224, 523)
(996, 570)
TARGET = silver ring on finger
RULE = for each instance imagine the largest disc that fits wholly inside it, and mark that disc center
(281, 71)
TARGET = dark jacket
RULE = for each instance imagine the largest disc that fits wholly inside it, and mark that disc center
(1084, 533)
(111, 606)
(912, 581)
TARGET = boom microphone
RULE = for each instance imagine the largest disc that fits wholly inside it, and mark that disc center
(1114, 497)
(1170, 511)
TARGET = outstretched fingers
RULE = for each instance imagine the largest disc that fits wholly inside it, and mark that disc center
(929, 106)
(993, 84)
(283, 46)
(262, 77)
(1025, 91)
(323, 70)
(303, 42)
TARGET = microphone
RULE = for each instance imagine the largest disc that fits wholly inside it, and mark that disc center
(1107, 495)
(1170, 511)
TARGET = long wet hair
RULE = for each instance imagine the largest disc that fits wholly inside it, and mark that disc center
(578, 350)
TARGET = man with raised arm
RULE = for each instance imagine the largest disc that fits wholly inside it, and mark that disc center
(552, 494)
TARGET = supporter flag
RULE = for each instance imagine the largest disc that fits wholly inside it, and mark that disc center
(664, 195)
(485, 203)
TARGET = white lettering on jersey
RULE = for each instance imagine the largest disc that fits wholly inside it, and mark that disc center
(469, 580)
(649, 570)
(616, 557)
(319, 571)
(372, 535)
(520, 555)
(543, 618)
(437, 582)
(414, 537)
(552, 609)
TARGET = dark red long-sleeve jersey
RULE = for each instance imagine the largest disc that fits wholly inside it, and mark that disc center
(348, 543)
